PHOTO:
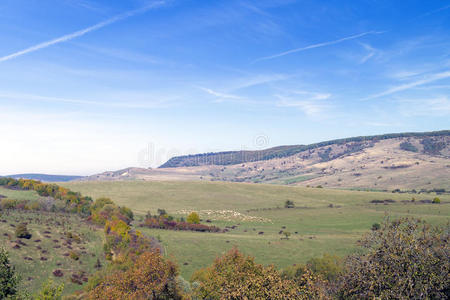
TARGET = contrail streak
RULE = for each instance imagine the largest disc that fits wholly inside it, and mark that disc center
(81, 32)
(317, 45)
(407, 86)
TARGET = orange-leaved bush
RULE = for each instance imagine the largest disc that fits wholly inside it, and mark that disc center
(151, 277)
(236, 276)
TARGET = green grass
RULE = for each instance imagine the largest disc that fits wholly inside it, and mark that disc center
(320, 228)
(297, 179)
(143, 196)
(19, 195)
(48, 241)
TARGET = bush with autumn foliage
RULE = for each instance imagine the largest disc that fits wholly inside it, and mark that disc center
(104, 209)
(69, 200)
(236, 276)
(164, 221)
(150, 277)
(193, 218)
(405, 259)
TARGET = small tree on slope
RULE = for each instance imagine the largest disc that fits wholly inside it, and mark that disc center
(8, 278)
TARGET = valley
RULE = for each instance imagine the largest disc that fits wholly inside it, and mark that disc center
(323, 220)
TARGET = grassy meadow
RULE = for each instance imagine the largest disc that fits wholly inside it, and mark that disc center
(49, 247)
(324, 220)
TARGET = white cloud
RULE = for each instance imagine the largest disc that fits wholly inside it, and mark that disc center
(80, 33)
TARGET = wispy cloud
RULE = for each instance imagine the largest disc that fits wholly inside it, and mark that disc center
(406, 74)
(121, 54)
(86, 5)
(434, 87)
(382, 124)
(237, 85)
(436, 106)
(407, 86)
(310, 103)
(259, 79)
(146, 101)
(371, 52)
(313, 46)
(82, 32)
(433, 12)
(221, 96)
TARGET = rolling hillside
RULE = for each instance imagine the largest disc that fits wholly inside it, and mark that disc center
(403, 161)
(237, 157)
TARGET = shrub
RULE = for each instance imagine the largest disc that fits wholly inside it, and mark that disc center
(193, 218)
(407, 146)
(436, 200)
(235, 276)
(162, 212)
(22, 231)
(406, 259)
(165, 222)
(104, 209)
(98, 264)
(73, 236)
(151, 277)
(328, 266)
(8, 278)
(289, 204)
(8, 203)
(74, 255)
(376, 226)
(49, 291)
(127, 212)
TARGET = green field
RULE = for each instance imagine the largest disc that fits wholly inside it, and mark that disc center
(19, 195)
(325, 220)
(36, 258)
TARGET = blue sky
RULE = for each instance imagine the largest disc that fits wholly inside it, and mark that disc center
(88, 86)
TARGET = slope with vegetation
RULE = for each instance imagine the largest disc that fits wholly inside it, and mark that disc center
(238, 157)
(136, 269)
(419, 161)
(123, 245)
(254, 217)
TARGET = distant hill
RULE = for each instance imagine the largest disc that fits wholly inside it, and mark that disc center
(46, 177)
(406, 161)
(238, 157)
